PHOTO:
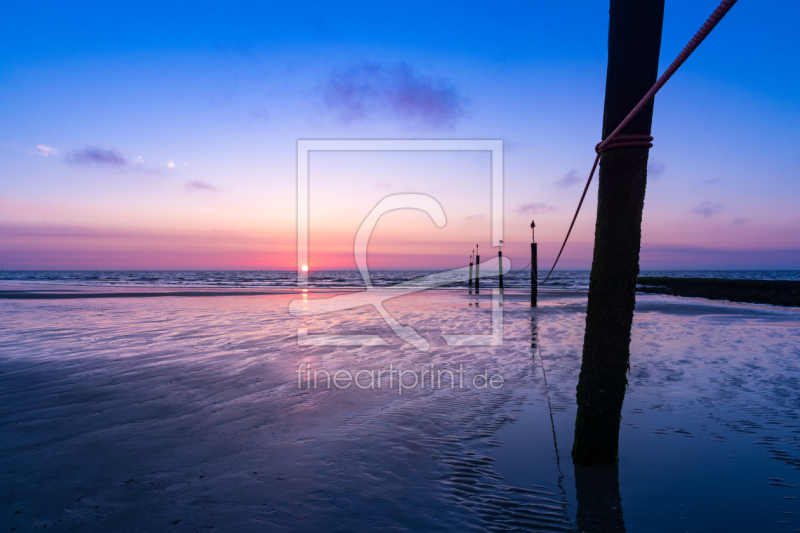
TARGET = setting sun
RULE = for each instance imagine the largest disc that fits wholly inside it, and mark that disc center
(304, 268)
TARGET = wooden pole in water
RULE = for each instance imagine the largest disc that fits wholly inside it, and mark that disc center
(472, 255)
(500, 265)
(477, 269)
(634, 42)
(534, 267)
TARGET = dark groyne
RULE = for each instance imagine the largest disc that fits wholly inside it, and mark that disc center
(773, 292)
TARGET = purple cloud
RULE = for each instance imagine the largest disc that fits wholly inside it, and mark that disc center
(570, 178)
(655, 168)
(260, 113)
(534, 208)
(93, 156)
(370, 90)
(707, 209)
(198, 185)
(96, 156)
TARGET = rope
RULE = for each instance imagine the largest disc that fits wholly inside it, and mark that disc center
(552, 425)
(620, 141)
(520, 270)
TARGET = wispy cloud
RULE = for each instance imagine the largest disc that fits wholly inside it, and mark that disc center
(707, 209)
(740, 221)
(534, 208)
(197, 185)
(92, 156)
(370, 90)
(46, 151)
(260, 113)
(476, 217)
(96, 156)
(655, 168)
(568, 180)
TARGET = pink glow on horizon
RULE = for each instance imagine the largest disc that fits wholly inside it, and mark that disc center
(60, 253)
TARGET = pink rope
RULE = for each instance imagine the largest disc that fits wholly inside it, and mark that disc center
(614, 141)
(622, 141)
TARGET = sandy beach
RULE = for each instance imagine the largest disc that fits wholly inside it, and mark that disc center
(185, 414)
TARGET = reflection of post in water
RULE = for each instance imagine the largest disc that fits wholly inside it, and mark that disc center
(535, 348)
(553, 427)
(599, 502)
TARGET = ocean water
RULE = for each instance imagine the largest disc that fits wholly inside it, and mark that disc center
(326, 279)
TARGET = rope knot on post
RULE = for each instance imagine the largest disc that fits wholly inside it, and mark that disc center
(621, 141)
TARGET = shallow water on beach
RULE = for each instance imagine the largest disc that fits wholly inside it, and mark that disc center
(186, 414)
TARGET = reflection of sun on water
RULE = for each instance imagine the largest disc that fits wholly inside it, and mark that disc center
(304, 268)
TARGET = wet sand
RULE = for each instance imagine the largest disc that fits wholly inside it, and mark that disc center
(67, 294)
(184, 414)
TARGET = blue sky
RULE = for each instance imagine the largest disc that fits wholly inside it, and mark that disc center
(162, 135)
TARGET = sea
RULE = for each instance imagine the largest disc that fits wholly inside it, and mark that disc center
(333, 279)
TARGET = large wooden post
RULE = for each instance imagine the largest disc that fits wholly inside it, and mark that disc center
(634, 42)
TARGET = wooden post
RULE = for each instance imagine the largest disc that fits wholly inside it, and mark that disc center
(500, 267)
(634, 42)
(534, 268)
(470, 270)
(477, 269)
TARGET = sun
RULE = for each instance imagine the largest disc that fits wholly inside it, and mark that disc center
(304, 268)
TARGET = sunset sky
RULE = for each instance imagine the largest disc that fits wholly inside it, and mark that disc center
(163, 135)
